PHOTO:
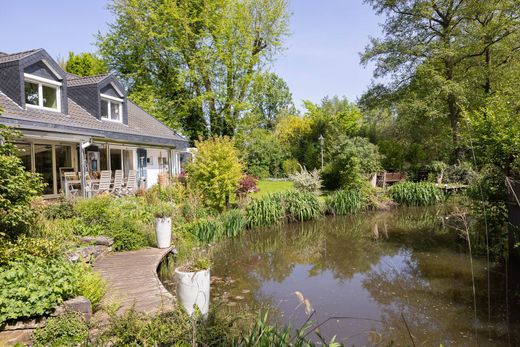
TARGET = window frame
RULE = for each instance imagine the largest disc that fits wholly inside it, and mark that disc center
(112, 100)
(40, 82)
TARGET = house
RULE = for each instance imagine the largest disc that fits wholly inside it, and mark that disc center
(66, 119)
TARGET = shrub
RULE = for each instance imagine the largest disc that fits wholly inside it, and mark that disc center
(290, 166)
(91, 285)
(265, 211)
(343, 202)
(174, 193)
(300, 206)
(349, 163)
(216, 171)
(129, 221)
(68, 329)
(307, 181)
(27, 247)
(415, 193)
(17, 188)
(462, 173)
(233, 222)
(262, 153)
(247, 185)
(34, 287)
(61, 209)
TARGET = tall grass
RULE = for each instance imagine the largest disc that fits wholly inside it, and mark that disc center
(233, 222)
(344, 202)
(207, 230)
(265, 211)
(415, 193)
(300, 206)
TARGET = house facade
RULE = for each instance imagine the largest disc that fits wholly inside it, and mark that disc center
(67, 120)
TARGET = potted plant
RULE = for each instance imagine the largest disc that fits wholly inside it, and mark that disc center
(193, 285)
(163, 225)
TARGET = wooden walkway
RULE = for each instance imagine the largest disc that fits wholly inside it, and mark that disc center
(132, 280)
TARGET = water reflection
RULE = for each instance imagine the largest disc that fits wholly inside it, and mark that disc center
(394, 267)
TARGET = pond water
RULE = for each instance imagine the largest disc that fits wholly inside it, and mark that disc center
(373, 279)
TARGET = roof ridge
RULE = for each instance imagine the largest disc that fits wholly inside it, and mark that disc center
(22, 52)
(90, 76)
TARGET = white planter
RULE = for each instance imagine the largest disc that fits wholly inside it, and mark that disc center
(193, 289)
(163, 231)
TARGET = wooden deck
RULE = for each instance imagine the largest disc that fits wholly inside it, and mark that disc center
(132, 280)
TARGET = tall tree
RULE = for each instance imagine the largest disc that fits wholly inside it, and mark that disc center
(428, 46)
(201, 56)
(85, 64)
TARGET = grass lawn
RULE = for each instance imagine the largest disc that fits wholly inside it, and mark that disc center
(267, 187)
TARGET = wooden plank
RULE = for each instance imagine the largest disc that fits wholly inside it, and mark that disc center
(132, 280)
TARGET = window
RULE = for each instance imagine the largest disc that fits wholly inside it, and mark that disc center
(42, 93)
(111, 108)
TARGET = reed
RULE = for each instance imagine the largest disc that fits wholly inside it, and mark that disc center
(265, 211)
(233, 222)
(415, 193)
(343, 202)
(207, 230)
(300, 206)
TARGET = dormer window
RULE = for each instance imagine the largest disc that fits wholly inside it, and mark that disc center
(42, 93)
(111, 108)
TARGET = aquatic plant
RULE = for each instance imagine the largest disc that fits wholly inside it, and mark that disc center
(344, 202)
(206, 230)
(415, 193)
(300, 206)
(265, 211)
(233, 222)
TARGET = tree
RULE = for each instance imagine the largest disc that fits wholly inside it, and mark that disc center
(200, 55)
(431, 47)
(262, 153)
(85, 64)
(270, 95)
(17, 188)
(216, 171)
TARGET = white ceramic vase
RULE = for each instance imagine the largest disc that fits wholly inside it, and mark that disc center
(193, 288)
(163, 231)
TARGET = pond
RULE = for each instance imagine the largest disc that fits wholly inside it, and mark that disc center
(373, 279)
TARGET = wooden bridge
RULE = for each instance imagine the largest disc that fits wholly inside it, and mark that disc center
(132, 280)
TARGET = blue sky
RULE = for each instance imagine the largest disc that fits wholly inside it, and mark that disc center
(322, 55)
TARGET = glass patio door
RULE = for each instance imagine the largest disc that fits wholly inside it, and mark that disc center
(43, 164)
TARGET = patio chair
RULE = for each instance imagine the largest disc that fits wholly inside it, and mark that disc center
(131, 182)
(104, 183)
(69, 190)
(118, 183)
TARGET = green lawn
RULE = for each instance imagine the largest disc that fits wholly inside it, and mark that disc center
(267, 187)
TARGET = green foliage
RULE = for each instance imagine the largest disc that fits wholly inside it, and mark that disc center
(290, 166)
(300, 206)
(207, 230)
(61, 209)
(216, 171)
(460, 173)
(85, 64)
(35, 286)
(343, 202)
(265, 211)
(234, 222)
(91, 285)
(128, 221)
(173, 328)
(350, 162)
(214, 56)
(27, 247)
(68, 329)
(176, 193)
(306, 181)
(415, 193)
(262, 153)
(17, 188)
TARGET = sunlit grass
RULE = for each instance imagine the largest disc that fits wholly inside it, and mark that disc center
(268, 187)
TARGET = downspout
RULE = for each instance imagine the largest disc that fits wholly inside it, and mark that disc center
(82, 165)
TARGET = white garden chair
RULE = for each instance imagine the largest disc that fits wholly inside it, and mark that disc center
(118, 182)
(104, 183)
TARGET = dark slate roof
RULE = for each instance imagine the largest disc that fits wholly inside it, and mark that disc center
(5, 58)
(73, 80)
(142, 127)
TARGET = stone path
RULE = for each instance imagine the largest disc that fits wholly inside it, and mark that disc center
(132, 280)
